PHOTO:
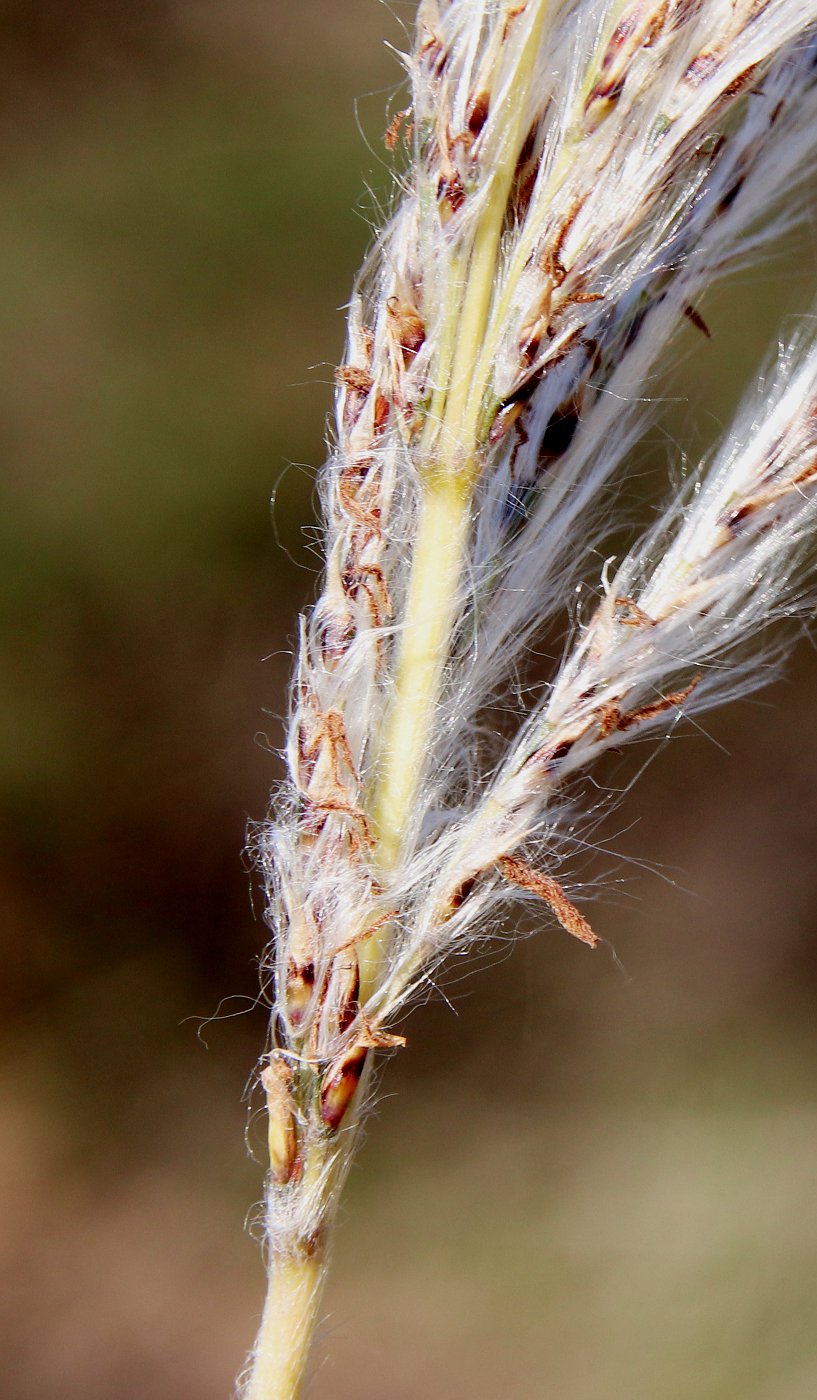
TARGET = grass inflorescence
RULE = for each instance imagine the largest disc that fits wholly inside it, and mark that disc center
(578, 175)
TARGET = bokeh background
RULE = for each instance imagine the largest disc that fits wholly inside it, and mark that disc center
(595, 1177)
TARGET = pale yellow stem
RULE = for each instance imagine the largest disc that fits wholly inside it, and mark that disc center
(437, 567)
(288, 1321)
(440, 554)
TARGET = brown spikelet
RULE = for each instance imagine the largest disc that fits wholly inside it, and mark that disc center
(355, 378)
(518, 872)
(392, 132)
(340, 1085)
(407, 326)
(612, 720)
(629, 614)
(478, 114)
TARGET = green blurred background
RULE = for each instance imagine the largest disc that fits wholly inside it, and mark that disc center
(597, 1180)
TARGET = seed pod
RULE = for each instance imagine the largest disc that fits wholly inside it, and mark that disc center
(342, 992)
(478, 113)
(304, 942)
(276, 1077)
(407, 326)
(339, 1085)
(299, 989)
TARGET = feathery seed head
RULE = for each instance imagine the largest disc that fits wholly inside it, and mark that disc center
(579, 173)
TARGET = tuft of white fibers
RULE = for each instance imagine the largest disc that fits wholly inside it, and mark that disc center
(679, 627)
(579, 174)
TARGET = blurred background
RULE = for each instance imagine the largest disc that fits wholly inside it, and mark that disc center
(595, 1177)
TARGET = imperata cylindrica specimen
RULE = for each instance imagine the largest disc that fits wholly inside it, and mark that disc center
(577, 173)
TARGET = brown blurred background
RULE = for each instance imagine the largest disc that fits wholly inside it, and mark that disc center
(597, 1180)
